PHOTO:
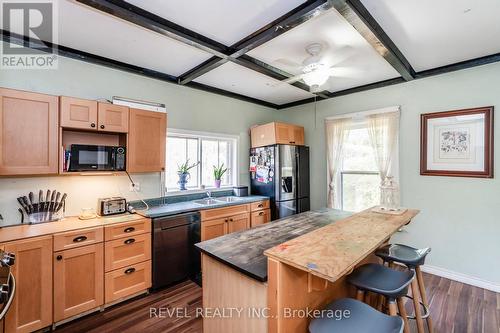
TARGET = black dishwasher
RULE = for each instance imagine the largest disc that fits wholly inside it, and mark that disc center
(175, 257)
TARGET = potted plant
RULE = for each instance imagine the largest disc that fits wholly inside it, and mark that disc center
(219, 171)
(183, 172)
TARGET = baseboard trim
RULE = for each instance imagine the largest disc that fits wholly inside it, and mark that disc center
(463, 278)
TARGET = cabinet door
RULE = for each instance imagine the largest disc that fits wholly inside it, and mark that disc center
(112, 118)
(262, 135)
(127, 281)
(298, 135)
(213, 228)
(28, 133)
(260, 217)
(146, 141)
(78, 280)
(78, 113)
(31, 309)
(283, 133)
(238, 222)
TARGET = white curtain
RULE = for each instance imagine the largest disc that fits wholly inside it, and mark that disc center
(336, 134)
(383, 129)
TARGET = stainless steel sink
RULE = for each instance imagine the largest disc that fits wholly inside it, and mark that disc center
(228, 199)
(206, 202)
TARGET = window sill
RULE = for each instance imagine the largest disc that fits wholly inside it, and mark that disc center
(172, 193)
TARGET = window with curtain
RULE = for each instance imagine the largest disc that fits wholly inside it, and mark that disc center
(208, 149)
(362, 150)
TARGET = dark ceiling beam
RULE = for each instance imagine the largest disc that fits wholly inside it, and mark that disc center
(290, 20)
(150, 21)
(360, 18)
(459, 66)
(68, 52)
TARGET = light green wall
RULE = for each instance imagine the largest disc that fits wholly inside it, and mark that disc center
(187, 109)
(459, 217)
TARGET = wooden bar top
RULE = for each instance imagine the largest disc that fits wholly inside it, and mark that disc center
(11, 233)
(334, 250)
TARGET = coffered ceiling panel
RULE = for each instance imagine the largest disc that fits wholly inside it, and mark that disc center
(436, 33)
(354, 62)
(244, 81)
(93, 31)
(226, 21)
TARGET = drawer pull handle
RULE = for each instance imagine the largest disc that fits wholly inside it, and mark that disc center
(129, 229)
(230, 220)
(261, 213)
(79, 239)
(260, 205)
(130, 270)
(129, 241)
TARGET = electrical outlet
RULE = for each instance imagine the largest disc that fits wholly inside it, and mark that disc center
(136, 187)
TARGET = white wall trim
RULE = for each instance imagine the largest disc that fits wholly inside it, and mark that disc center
(467, 279)
(362, 114)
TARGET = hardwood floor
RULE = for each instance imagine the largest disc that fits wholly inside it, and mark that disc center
(455, 308)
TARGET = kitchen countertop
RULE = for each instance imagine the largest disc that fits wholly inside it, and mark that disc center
(11, 233)
(190, 206)
(333, 251)
(244, 250)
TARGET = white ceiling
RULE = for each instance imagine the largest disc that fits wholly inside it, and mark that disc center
(92, 31)
(434, 33)
(226, 21)
(241, 80)
(343, 47)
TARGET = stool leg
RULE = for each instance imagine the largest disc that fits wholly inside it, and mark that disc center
(416, 303)
(393, 309)
(360, 295)
(423, 294)
(380, 302)
(402, 313)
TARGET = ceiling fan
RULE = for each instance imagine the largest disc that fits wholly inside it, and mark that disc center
(315, 70)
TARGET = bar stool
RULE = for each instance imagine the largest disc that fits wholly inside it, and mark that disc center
(361, 318)
(412, 258)
(392, 284)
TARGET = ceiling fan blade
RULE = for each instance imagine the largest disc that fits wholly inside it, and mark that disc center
(342, 54)
(346, 71)
(287, 63)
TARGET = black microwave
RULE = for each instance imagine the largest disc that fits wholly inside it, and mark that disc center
(99, 158)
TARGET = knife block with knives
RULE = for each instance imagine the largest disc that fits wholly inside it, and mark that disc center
(45, 209)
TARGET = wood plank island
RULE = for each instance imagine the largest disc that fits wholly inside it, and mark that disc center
(270, 278)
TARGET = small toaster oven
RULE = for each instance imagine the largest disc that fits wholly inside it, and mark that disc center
(111, 206)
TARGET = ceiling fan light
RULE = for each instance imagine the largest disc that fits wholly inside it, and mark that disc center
(317, 77)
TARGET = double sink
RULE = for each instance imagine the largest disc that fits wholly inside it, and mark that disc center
(213, 201)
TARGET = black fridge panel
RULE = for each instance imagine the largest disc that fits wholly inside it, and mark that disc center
(286, 172)
(284, 209)
(303, 205)
(302, 172)
(262, 172)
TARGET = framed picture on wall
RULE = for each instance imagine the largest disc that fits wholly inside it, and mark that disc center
(457, 143)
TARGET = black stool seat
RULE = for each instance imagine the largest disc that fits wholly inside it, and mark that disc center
(403, 254)
(381, 280)
(361, 318)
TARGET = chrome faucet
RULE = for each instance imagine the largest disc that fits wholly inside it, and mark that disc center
(209, 195)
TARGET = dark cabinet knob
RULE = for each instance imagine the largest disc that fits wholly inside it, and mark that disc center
(129, 241)
(130, 270)
(129, 229)
(260, 205)
(59, 257)
(79, 239)
(92, 125)
(261, 213)
(292, 142)
(102, 126)
(230, 220)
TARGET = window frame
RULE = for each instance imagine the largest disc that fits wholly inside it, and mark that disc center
(233, 156)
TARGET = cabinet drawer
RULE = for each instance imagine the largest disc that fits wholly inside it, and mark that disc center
(127, 251)
(127, 281)
(128, 229)
(260, 217)
(214, 213)
(259, 205)
(72, 239)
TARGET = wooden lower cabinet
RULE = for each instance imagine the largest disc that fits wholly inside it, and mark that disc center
(238, 223)
(127, 281)
(260, 217)
(126, 251)
(213, 228)
(31, 309)
(78, 280)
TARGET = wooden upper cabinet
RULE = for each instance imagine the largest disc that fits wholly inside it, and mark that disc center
(78, 113)
(31, 309)
(28, 133)
(78, 280)
(112, 118)
(146, 141)
(277, 133)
